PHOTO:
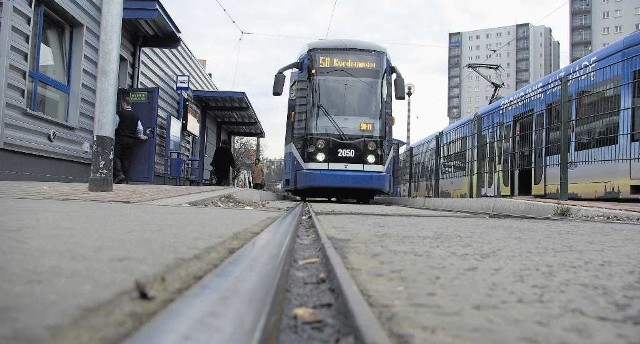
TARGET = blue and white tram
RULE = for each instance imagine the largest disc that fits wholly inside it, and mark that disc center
(514, 146)
(338, 141)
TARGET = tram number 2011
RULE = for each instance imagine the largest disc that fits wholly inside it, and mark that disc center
(350, 153)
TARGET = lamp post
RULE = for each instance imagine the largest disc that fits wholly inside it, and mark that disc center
(410, 90)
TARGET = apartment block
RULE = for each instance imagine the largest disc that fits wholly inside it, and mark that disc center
(524, 52)
(598, 23)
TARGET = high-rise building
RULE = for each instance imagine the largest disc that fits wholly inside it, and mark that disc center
(525, 53)
(597, 23)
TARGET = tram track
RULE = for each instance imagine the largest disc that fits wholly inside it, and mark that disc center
(287, 285)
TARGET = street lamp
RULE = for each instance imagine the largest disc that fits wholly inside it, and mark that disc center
(410, 90)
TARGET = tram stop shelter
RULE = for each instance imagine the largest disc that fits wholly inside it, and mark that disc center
(225, 114)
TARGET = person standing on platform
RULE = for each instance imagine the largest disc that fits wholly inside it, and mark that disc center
(257, 175)
(222, 161)
(128, 131)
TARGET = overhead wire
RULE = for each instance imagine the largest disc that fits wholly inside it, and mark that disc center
(331, 18)
(242, 33)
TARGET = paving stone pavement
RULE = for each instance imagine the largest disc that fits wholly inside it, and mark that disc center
(124, 193)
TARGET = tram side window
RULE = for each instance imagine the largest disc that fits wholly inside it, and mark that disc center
(635, 104)
(553, 129)
(454, 157)
(598, 115)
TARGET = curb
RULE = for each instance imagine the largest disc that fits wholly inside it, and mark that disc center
(511, 207)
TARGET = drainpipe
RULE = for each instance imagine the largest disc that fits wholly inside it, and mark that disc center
(136, 63)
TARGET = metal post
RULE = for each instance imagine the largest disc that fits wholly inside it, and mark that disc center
(101, 178)
(410, 151)
(565, 113)
(409, 120)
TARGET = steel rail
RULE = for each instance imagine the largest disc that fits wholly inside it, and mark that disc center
(239, 302)
(368, 328)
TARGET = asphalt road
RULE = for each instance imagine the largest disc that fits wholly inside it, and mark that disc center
(438, 277)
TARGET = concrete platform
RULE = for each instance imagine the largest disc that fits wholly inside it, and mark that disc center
(87, 267)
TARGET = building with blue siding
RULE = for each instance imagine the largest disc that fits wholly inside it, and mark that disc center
(48, 75)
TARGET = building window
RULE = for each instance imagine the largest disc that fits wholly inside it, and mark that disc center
(471, 38)
(637, 10)
(605, 1)
(470, 58)
(618, 29)
(605, 30)
(498, 34)
(489, 46)
(638, 27)
(49, 65)
(605, 14)
(470, 48)
(617, 13)
(477, 36)
(488, 35)
(477, 47)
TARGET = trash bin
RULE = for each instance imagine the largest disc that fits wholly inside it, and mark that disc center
(176, 164)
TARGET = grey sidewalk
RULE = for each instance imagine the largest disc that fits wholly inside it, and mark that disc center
(533, 207)
(67, 254)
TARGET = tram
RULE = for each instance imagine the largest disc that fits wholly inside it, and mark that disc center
(582, 122)
(338, 141)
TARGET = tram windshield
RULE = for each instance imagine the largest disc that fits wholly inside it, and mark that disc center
(347, 93)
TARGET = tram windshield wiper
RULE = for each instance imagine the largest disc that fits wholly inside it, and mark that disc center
(333, 121)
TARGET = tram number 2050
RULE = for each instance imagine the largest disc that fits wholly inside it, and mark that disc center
(350, 153)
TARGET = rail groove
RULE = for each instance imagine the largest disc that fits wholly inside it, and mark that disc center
(242, 300)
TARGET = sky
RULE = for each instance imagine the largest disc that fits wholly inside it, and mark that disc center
(415, 32)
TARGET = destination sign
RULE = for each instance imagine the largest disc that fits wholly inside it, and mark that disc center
(351, 62)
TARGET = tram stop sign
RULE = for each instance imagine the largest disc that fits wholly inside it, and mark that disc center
(182, 82)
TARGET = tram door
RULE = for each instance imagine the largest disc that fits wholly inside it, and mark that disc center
(538, 158)
(487, 172)
(635, 127)
(523, 150)
(505, 170)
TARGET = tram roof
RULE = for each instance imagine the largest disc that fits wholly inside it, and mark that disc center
(232, 110)
(343, 44)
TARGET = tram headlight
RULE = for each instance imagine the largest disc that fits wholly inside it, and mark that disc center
(311, 149)
(320, 157)
(371, 145)
(320, 144)
(371, 158)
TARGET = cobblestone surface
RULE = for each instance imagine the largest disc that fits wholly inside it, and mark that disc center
(125, 193)
(453, 279)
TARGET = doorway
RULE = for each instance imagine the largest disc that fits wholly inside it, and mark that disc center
(523, 149)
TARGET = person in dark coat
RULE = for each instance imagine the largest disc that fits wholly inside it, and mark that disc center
(128, 131)
(222, 161)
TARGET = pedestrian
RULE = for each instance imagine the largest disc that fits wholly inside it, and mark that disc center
(257, 174)
(222, 162)
(128, 131)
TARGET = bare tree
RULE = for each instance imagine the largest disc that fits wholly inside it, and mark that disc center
(244, 152)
